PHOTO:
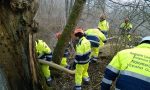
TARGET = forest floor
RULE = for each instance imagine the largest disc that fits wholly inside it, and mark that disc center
(96, 70)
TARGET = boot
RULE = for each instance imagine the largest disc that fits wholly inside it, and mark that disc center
(86, 81)
(77, 88)
(49, 81)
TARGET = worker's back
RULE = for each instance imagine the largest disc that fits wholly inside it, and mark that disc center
(134, 68)
(95, 36)
(42, 47)
(95, 32)
(103, 25)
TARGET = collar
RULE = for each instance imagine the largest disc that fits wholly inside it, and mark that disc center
(80, 40)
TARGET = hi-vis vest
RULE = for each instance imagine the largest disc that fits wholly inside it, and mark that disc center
(83, 50)
(126, 26)
(95, 37)
(133, 68)
(103, 25)
(42, 49)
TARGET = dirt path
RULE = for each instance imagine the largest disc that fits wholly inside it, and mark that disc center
(66, 81)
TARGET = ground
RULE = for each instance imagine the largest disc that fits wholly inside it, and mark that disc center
(66, 81)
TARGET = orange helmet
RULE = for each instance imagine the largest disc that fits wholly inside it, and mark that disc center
(58, 34)
(78, 30)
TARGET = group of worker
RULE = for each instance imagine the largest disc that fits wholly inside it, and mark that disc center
(130, 66)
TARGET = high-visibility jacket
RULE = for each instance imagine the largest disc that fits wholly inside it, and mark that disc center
(103, 25)
(83, 50)
(95, 37)
(126, 26)
(43, 51)
(132, 67)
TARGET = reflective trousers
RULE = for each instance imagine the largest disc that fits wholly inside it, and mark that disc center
(64, 62)
(81, 73)
(94, 52)
(101, 44)
(45, 70)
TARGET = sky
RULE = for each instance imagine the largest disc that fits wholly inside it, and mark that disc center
(123, 0)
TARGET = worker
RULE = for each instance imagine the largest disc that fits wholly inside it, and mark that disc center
(103, 25)
(82, 58)
(131, 67)
(66, 54)
(44, 53)
(95, 37)
(126, 27)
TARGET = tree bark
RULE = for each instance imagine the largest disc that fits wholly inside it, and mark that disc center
(66, 34)
(16, 17)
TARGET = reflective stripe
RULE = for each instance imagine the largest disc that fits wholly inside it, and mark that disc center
(107, 81)
(94, 41)
(39, 56)
(113, 69)
(82, 58)
(80, 41)
(77, 87)
(94, 59)
(49, 79)
(66, 53)
(50, 56)
(86, 79)
(117, 89)
(135, 75)
(82, 62)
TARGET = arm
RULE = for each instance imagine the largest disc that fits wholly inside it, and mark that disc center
(121, 26)
(110, 74)
(102, 37)
(107, 25)
(47, 52)
(130, 26)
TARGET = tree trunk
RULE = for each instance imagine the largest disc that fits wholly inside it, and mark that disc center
(16, 17)
(66, 34)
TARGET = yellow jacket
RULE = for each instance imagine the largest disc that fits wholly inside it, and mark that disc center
(125, 26)
(83, 50)
(42, 49)
(95, 36)
(133, 68)
(103, 25)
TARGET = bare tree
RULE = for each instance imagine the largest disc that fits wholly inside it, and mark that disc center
(66, 34)
(16, 20)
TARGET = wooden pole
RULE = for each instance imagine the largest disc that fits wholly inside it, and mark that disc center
(56, 66)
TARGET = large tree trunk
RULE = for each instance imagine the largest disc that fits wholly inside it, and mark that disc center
(66, 34)
(16, 17)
